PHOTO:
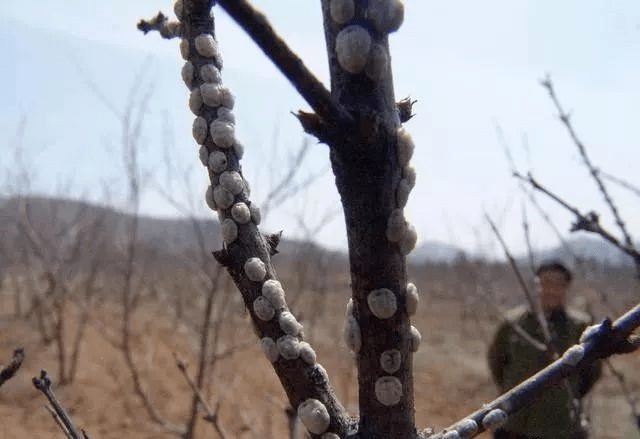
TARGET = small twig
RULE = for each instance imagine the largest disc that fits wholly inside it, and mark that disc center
(534, 305)
(10, 369)
(43, 384)
(256, 25)
(168, 29)
(588, 222)
(619, 181)
(211, 416)
(566, 120)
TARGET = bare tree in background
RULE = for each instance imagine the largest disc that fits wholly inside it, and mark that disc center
(370, 151)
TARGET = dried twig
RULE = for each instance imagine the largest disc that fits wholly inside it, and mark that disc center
(566, 120)
(10, 369)
(211, 416)
(589, 222)
(43, 384)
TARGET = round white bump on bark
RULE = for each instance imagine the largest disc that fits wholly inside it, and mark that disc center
(211, 94)
(232, 181)
(238, 148)
(451, 434)
(209, 198)
(270, 349)
(314, 416)
(573, 355)
(402, 193)
(405, 146)
(228, 98)
(187, 74)
(412, 299)
(207, 46)
(240, 213)
(263, 309)
(396, 225)
(255, 214)
(199, 129)
(289, 347)
(195, 101)
(218, 161)
(409, 239)
(274, 292)
(341, 10)
(226, 115)
(385, 15)
(178, 9)
(289, 324)
(307, 353)
(382, 303)
(222, 133)
(229, 230)
(388, 390)
(409, 173)
(203, 154)
(352, 336)
(222, 197)
(353, 44)
(184, 49)
(415, 339)
(494, 419)
(589, 332)
(467, 428)
(390, 360)
(255, 269)
(211, 74)
(377, 65)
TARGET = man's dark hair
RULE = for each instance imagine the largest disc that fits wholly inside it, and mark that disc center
(555, 265)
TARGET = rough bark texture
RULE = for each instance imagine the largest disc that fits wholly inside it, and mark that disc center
(299, 379)
(365, 164)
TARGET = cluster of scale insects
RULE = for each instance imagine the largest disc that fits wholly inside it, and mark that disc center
(213, 103)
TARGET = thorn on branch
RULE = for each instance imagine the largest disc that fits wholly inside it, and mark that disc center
(10, 369)
(405, 109)
(272, 242)
(167, 29)
(589, 223)
(223, 257)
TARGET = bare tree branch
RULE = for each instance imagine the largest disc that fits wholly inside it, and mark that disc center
(10, 369)
(566, 120)
(43, 384)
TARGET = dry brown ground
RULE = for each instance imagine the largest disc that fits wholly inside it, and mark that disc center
(451, 377)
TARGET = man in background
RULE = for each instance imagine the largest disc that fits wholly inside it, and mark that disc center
(556, 414)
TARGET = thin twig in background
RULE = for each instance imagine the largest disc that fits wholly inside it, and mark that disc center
(589, 222)
(533, 303)
(566, 120)
(10, 369)
(211, 416)
(619, 181)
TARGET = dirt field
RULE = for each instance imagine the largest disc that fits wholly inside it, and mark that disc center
(451, 376)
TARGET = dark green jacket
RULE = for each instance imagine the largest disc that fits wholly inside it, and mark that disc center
(513, 359)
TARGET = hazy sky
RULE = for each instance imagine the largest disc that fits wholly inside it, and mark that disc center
(472, 66)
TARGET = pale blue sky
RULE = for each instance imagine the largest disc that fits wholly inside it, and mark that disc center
(470, 65)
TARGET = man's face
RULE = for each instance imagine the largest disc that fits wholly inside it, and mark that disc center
(553, 286)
